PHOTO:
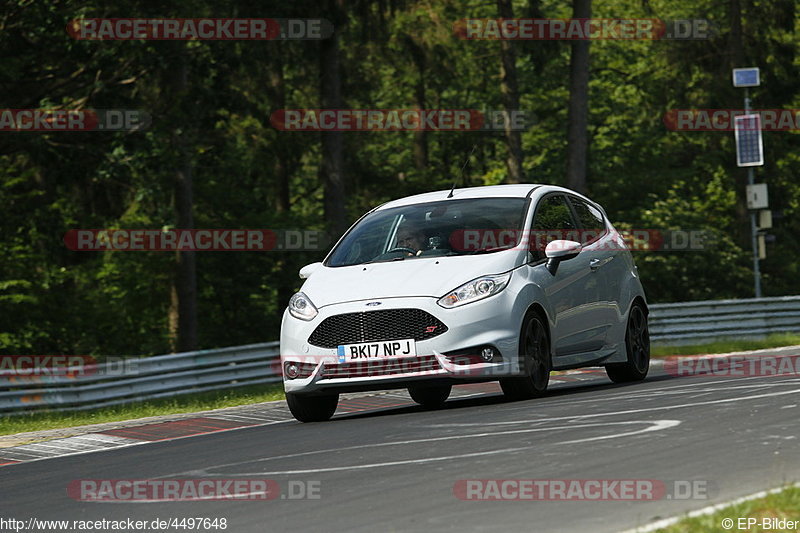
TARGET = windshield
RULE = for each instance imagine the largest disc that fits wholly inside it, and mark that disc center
(444, 228)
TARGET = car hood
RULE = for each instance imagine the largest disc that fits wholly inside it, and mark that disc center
(428, 276)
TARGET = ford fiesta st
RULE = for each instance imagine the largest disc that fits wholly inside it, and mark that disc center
(506, 282)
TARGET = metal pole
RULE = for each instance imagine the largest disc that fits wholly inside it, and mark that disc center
(753, 223)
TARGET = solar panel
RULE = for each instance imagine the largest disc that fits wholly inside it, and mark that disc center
(749, 146)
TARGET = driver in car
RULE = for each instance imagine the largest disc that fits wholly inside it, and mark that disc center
(411, 239)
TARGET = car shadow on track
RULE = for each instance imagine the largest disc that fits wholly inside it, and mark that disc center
(560, 391)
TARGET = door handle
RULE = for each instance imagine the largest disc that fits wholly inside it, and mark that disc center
(594, 264)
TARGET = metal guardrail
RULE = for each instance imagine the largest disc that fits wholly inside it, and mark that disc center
(255, 364)
(141, 379)
(712, 320)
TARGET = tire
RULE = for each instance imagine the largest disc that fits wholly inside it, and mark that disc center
(430, 397)
(637, 347)
(312, 408)
(535, 354)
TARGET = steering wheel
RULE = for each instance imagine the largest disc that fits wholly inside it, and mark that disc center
(402, 249)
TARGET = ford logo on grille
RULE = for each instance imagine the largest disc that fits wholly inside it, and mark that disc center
(373, 304)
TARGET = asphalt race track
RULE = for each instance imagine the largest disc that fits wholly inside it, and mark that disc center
(395, 469)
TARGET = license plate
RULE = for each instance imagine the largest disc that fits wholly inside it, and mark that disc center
(377, 350)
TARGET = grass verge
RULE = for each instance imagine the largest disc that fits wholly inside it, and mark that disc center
(763, 512)
(734, 345)
(178, 404)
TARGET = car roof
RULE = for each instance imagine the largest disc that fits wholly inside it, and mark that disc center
(520, 190)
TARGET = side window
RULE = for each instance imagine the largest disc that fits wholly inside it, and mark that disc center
(552, 221)
(590, 219)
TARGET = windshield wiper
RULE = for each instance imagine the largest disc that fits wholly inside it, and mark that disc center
(491, 250)
(399, 258)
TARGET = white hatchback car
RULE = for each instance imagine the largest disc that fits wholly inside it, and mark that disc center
(505, 283)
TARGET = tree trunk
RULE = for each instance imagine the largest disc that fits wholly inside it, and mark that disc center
(420, 136)
(735, 46)
(578, 115)
(510, 96)
(330, 92)
(280, 166)
(183, 298)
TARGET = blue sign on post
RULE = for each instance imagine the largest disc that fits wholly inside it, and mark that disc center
(746, 77)
(749, 147)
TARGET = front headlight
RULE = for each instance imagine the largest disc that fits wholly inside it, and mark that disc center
(300, 306)
(475, 290)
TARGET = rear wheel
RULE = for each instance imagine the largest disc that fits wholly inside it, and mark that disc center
(430, 397)
(637, 346)
(535, 358)
(312, 408)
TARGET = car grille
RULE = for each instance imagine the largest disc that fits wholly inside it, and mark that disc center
(370, 326)
(381, 367)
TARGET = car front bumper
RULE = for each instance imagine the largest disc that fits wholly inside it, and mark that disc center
(491, 322)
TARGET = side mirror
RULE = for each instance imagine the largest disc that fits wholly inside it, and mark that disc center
(307, 270)
(558, 251)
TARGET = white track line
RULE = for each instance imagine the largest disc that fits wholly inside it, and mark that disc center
(111, 447)
(627, 412)
(654, 425)
(412, 441)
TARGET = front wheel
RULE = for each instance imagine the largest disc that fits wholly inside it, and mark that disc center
(535, 358)
(312, 408)
(637, 346)
(430, 397)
